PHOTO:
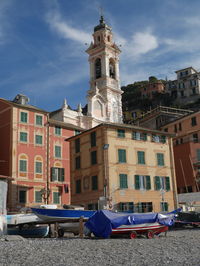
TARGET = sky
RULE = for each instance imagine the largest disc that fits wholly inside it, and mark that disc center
(43, 43)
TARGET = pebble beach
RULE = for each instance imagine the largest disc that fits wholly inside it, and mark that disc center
(179, 247)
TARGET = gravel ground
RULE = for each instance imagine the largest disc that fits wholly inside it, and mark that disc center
(180, 247)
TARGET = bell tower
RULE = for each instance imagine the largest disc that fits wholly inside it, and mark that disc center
(104, 95)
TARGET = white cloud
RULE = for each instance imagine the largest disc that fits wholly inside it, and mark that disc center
(62, 28)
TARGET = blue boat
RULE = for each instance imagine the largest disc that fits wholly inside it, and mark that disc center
(105, 223)
(56, 215)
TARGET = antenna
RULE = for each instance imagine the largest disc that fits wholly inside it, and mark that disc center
(101, 11)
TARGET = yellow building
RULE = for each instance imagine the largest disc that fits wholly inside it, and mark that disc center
(131, 167)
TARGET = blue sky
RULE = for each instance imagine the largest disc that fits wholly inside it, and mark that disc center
(42, 44)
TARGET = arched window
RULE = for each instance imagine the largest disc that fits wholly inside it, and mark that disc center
(38, 166)
(98, 68)
(112, 68)
(23, 165)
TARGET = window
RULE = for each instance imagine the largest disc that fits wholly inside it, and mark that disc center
(22, 165)
(141, 157)
(23, 117)
(93, 157)
(93, 139)
(164, 206)
(192, 82)
(126, 207)
(78, 186)
(175, 128)
(57, 151)
(142, 207)
(23, 136)
(157, 138)
(180, 126)
(77, 145)
(121, 133)
(166, 129)
(38, 167)
(38, 139)
(123, 181)
(162, 182)
(139, 136)
(193, 121)
(112, 69)
(160, 159)
(57, 131)
(57, 174)
(195, 138)
(56, 197)
(142, 182)
(38, 120)
(121, 156)
(95, 182)
(78, 162)
(98, 68)
(198, 155)
(76, 132)
(22, 196)
(38, 196)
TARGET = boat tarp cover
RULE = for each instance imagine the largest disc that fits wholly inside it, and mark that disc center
(103, 221)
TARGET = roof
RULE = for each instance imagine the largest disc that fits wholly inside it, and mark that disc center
(122, 126)
(64, 125)
(182, 117)
(102, 25)
(25, 106)
(186, 69)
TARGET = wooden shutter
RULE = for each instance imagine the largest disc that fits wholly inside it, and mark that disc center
(53, 174)
(167, 183)
(157, 183)
(148, 182)
(137, 182)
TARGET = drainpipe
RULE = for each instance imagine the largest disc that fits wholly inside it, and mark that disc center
(47, 162)
(173, 174)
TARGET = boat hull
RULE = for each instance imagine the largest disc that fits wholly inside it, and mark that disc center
(51, 215)
(29, 232)
(140, 229)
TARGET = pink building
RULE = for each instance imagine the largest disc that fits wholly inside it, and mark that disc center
(35, 154)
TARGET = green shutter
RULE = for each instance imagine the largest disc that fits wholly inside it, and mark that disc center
(38, 196)
(93, 139)
(157, 183)
(160, 159)
(123, 181)
(137, 182)
(53, 174)
(141, 158)
(122, 156)
(144, 136)
(56, 197)
(62, 174)
(167, 182)
(148, 182)
(198, 155)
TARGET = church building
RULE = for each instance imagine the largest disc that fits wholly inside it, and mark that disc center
(104, 96)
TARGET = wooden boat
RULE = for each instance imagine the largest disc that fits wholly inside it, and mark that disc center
(107, 223)
(60, 215)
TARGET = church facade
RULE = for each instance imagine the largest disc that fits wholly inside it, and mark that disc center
(104, 96)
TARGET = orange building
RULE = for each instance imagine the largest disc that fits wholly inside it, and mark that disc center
(33, 152)
(186, 151)
(123, 166)
(152, 88)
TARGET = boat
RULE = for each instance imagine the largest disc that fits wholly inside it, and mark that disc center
(22, 218)
(187, 218)
(61, 215)
(107, 223)
(32, 231)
